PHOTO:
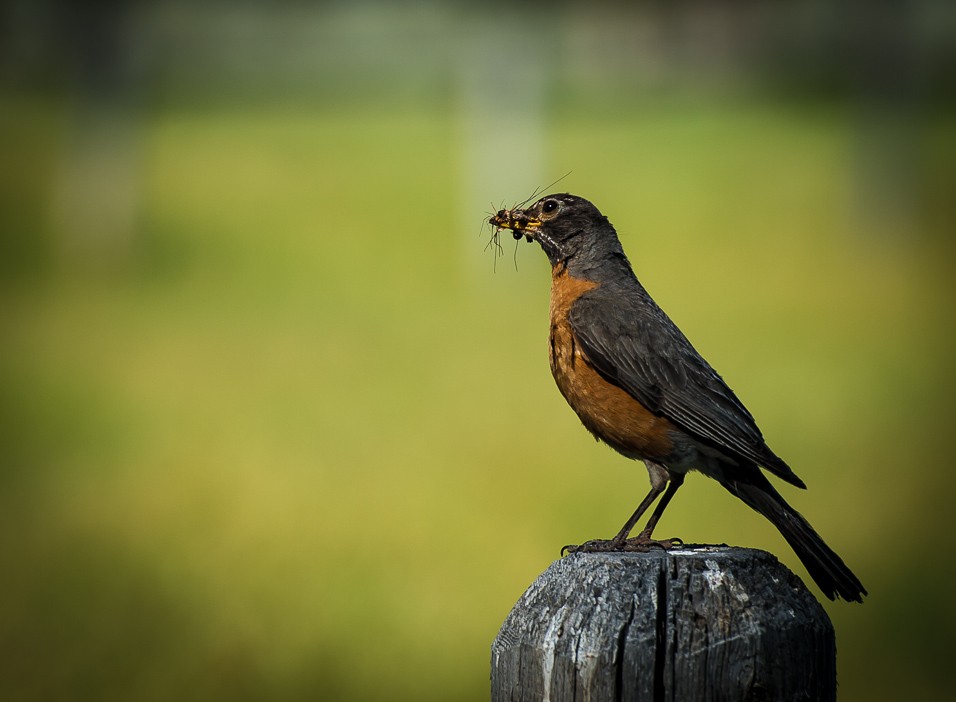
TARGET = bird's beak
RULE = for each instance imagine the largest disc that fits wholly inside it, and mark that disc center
(518, 221)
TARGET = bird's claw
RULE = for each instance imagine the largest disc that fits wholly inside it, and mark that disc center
(638, 544)
(594, 546)
(646, 543)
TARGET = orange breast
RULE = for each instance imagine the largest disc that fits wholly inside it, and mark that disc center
(608, 412)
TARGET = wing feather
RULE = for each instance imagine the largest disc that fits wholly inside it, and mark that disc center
(633, 344)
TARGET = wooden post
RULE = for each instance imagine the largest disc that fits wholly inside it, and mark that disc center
(704, 623)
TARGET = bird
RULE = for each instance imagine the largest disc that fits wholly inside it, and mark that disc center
(638, 385)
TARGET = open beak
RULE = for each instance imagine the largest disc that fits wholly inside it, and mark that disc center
(518, 222)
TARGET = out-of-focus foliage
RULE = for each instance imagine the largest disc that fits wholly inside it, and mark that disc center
(275, 424)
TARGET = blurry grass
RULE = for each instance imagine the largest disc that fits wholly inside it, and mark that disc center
(289, 448)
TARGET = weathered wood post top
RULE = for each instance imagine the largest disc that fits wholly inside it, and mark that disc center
(704, 623)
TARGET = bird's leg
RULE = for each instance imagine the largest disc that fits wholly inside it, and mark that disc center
(657, 487)
(659, 478)
(643, 540)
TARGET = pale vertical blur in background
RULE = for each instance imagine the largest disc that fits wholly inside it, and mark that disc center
(274, 422)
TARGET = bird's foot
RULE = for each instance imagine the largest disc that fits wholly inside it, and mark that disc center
(595, 546)
(646, 543)
(640, 543)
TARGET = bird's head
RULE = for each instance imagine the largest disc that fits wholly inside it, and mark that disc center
(570, 229)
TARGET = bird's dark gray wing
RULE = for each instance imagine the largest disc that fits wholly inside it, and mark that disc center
(634, 344)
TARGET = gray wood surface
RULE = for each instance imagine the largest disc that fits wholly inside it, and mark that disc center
(705, 623)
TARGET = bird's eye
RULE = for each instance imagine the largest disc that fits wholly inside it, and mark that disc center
(549, 206)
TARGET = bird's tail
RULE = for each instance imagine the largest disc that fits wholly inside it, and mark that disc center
(826, 568)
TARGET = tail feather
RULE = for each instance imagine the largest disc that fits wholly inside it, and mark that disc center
(826, 568)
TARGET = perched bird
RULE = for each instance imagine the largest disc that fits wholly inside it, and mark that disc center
(638, 384)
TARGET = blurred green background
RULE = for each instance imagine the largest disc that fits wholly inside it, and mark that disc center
(275, 424)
